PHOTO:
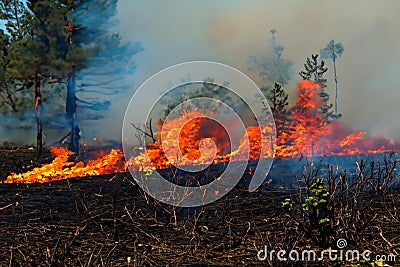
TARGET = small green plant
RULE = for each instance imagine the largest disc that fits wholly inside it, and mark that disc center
(316, 210)
(317, 204)
(287, 205)
(360, 263)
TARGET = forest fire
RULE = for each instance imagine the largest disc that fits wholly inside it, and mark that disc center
(203, 141)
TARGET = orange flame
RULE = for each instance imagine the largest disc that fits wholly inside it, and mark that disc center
(311, 136)
(203, 141)
(60, 168)
(195, 144)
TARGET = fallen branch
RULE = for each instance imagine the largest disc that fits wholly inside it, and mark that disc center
(9, 205)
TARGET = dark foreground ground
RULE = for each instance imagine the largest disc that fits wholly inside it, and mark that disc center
(107, 221)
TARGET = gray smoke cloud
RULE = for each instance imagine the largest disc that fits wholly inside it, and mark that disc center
(229, 31)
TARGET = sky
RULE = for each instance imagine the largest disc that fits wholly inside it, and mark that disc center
(229, 31)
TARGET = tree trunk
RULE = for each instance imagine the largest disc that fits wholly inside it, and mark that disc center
(336, 83)
(71, 112)
(19, 28)
(38, 107)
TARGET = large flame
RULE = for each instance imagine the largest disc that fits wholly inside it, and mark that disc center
(309, 135)
(203, 141)
(60, 168)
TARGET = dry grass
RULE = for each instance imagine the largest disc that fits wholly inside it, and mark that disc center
(108, 221)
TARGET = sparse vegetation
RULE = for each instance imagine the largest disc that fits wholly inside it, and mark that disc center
(105, 220)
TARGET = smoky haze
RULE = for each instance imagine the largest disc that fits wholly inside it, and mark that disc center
(229, 31)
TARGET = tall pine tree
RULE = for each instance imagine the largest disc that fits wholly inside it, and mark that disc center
(50, 43)
(332, 51)
(314, 71)
(275, 71)
(272, 67)
(109, 60)
(278, 99)
(42, 52)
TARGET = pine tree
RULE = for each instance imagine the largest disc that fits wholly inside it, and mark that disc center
(109, 60)
(6, 95)
(15, 17)
(314, 71)
(278, 99)
(275, 71)
(42, 52)
(272, 66)
(59, 39)
(332, 51)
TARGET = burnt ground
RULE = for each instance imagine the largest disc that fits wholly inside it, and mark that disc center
(107, 221)
(20, 159)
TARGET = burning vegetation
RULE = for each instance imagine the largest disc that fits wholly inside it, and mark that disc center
(61, 168)
(307, 134)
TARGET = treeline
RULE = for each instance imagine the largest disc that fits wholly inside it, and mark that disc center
(276, 71)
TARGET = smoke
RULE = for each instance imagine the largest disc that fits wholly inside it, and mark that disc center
(229, 31)
(20, 127)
